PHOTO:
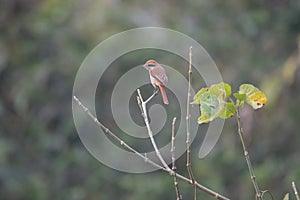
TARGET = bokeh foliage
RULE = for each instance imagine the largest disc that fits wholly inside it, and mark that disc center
(42, 44)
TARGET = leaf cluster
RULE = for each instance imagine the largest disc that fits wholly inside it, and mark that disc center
(216, 102)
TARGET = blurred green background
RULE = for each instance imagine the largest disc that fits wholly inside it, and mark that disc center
(42, 44)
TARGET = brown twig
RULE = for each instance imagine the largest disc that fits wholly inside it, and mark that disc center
(295, 190)
(179, 197)
(247, 156)
(144, 157)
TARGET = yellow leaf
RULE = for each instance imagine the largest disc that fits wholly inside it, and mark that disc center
(258, 99)
(254, 97)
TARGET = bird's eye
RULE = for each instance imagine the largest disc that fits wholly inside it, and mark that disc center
(151, 65)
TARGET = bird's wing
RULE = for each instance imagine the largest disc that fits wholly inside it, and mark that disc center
(159, 74)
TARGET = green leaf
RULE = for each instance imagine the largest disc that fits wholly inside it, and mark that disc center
(213, 104)
(198, 94)
(240, 97)
(221, 89)
(287, 196)
(254, 97)
(228, 110)
(210, 107)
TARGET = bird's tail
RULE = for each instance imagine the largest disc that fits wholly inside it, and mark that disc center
(163, 94)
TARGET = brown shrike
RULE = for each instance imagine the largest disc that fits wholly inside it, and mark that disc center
(158, 77)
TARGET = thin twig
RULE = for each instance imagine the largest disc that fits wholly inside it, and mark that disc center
(247, 157)
(179, 197)
(295, 190)
(188, 139)
(144, 157)
(154, 93)
(143, 105)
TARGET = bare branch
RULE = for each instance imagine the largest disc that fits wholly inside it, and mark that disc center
(144, 157)
(295, 190)
(188, 115)
(179, 197)
(143, 105)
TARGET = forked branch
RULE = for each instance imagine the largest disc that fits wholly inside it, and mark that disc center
(145, 158)
(143, 106)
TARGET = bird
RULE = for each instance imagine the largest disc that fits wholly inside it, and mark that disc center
(158, 78)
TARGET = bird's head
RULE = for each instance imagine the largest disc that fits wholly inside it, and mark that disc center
(150, 64)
